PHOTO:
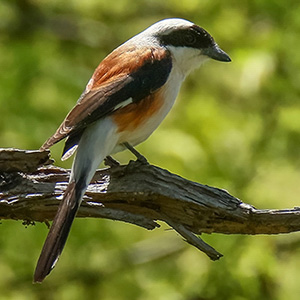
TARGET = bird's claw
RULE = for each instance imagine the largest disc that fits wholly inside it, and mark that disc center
(111, 162)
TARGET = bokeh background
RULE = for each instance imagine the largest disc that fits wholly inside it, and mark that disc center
(235, 126)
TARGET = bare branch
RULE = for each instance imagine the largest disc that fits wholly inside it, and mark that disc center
(136, 193)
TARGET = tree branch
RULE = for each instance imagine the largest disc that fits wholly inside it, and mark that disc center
(31, 188)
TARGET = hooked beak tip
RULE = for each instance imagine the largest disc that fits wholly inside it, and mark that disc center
(217, 53)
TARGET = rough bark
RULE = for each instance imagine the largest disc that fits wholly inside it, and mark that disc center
(141, 194)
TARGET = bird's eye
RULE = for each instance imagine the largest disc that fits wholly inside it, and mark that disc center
(190, 38)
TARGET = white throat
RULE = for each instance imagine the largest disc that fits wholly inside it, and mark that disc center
(186, 59)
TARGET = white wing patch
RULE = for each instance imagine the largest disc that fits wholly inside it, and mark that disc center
(69, 153)
(123, 104)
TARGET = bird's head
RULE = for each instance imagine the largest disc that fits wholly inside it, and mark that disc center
(189, 44)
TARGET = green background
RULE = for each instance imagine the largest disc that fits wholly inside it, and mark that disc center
(235, 126)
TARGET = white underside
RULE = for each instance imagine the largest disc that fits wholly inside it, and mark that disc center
(97, 141)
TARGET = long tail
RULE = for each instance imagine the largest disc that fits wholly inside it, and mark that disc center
(95, 144)
(58, 233)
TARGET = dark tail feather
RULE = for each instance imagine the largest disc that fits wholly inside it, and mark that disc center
(58, 233)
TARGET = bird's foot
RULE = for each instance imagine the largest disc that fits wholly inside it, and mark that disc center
(111, 162)
(142, 159)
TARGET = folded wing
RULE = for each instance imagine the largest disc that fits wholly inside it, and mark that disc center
(127, 75)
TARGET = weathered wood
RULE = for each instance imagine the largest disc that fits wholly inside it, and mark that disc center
(136, 193)
(14, 160)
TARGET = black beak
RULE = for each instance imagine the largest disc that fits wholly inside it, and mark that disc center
(215, 52)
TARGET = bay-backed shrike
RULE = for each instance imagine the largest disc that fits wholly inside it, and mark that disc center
(128, 96)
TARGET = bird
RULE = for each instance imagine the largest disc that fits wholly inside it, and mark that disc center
(128, 96)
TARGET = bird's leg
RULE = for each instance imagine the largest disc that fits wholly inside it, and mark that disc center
(137, 154)
(111, 162)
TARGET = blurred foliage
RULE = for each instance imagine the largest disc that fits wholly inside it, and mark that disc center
(235, 126)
